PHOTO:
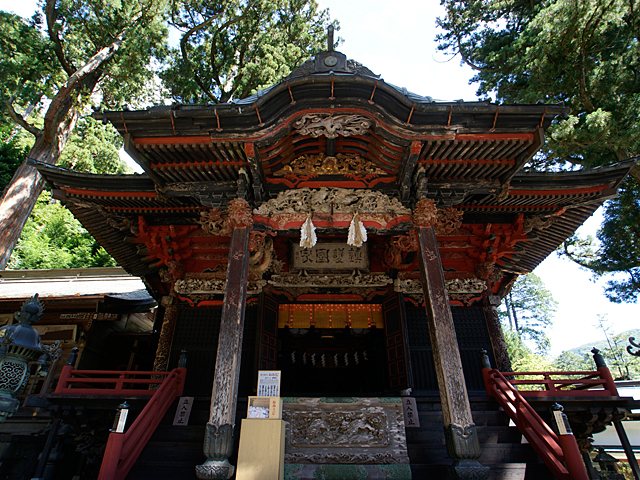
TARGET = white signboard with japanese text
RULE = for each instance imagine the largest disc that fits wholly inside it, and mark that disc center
(181, 418)
(410, 409)
(269, 383)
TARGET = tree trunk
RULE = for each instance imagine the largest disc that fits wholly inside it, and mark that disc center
(21, 194)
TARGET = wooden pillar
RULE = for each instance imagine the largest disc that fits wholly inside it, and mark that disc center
(496, 336)
(460, 432)
(218, 441)
(169, 318)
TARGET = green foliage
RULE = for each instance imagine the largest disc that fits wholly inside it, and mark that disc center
(53, 238)
(523, 359)
(12, 153)
(93, 148)
(529, 309)
(571, 361)
(34, 67)
(28, 68)
(231, 48)
(619, 245)
(586, 55)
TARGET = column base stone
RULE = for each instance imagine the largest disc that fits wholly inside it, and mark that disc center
(468, 470)
(215, 469)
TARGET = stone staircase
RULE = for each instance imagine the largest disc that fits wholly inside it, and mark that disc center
(501, 447)
(173, 452)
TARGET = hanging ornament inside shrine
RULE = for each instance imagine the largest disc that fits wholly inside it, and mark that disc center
(357, 233)
(308, 236)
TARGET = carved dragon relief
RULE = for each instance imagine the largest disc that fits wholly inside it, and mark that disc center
(293, 206)
(335, 280)
(261, 260)
(332, 200)
(350, 165)
(216, 221)
(464, 290)
(332, 126)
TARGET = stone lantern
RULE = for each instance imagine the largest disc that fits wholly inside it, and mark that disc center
(19, 345)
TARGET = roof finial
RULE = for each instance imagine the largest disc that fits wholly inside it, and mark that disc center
(330, 38)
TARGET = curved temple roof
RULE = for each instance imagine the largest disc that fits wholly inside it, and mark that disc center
(333, 124)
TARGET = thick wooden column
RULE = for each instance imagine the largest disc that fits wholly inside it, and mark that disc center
(496, 336)
(218, 441)
(460, 431)
(170, 314)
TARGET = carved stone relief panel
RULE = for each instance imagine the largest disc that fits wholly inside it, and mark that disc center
(345, 430)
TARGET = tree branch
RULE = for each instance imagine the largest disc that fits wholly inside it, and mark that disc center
(99, 58)
(19, 119)
(185, 55)
(50, 11)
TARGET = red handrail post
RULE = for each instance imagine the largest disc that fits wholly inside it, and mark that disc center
(572, 457)
(182, 377)
(111, 458)
(609, 382)
(65, 375)
(604, 372)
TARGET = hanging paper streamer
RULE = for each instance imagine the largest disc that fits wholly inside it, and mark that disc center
(308, 234)
(357, 233)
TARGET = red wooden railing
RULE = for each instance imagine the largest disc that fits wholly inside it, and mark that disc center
(598, 383)
(560, 453)
(108, 382)
(123, 449)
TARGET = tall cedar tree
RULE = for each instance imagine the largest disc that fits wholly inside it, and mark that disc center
(529, 309)
(584, 54)
(231, 48)
(88, 48)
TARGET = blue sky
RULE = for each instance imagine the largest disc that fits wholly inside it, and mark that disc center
(396, 40)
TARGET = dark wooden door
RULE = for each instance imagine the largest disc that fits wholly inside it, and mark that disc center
(398, 360)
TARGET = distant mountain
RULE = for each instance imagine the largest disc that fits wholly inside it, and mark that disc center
(601, 344)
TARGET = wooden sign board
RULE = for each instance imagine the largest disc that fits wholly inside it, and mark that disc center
(181, 418)
(330, 256)
(410, 409)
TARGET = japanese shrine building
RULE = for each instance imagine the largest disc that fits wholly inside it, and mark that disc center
(450, 216)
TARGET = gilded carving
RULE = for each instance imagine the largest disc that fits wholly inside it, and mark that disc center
(261, 254)
(456, 286)
(356, 279)
(538, 222)
(332, 200)
(425, 213)
(342, 164)
(395, 255)
(213, 222)
(332, 126)
(239, 214)
(163, 350)
(193, 286)
(485, 270)
(449, 220)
